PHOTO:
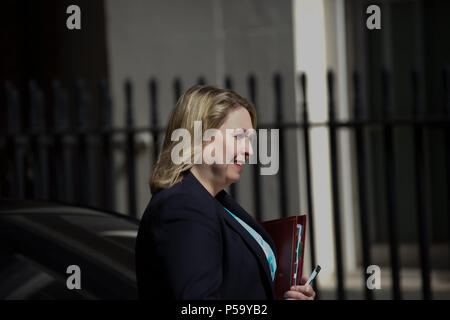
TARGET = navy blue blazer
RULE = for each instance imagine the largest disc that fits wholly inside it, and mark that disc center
(189, 247)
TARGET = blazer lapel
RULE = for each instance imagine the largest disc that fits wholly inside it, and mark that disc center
(236, 209)
(224, 199)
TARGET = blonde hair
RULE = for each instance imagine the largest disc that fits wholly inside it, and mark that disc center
(208, 104)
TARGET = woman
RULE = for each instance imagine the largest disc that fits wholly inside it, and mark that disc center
(195, 241)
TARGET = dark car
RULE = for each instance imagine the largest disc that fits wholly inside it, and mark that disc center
(48, 249)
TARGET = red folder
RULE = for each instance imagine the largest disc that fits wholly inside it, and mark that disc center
(284, 233)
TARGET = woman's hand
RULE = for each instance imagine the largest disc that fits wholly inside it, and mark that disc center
(301, 292)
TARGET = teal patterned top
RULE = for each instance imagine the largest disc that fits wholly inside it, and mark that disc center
(264, 245)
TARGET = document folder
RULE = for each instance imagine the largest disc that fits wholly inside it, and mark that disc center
(289, 237)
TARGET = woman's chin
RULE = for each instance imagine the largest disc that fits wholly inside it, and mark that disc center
(234, 177)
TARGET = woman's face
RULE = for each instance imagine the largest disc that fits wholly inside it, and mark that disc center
(237, 133)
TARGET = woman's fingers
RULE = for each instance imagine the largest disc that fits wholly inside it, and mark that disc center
(301, 292)
(305, 290)
(308, 290)
(295, 295)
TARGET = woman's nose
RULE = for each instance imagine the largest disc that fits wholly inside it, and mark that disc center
(249, 148)
(244, 150)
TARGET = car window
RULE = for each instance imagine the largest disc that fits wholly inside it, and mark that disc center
(23, 278)
(121, 231)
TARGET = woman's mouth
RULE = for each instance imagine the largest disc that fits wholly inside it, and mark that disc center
(238, 166)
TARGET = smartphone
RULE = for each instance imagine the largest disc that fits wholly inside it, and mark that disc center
(313, 275)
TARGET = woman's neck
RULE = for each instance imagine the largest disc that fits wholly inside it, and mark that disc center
(206, 177)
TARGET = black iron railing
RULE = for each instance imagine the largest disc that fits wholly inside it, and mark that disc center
(71, 160)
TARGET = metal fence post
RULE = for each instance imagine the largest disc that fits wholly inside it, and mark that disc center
(87, 187)
(278, 91)
(391, 186)
(107, 145)
(64, 144)
(335, 188)
(446, 107)
(38, 143)
(177, 87)
(233, 186)
(153, 91)
(131, 164)
(305, 126)
(361, 169)
(257, 190)
(15, 143)
(421, 209)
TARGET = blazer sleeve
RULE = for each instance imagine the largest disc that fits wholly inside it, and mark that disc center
(189, 247)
